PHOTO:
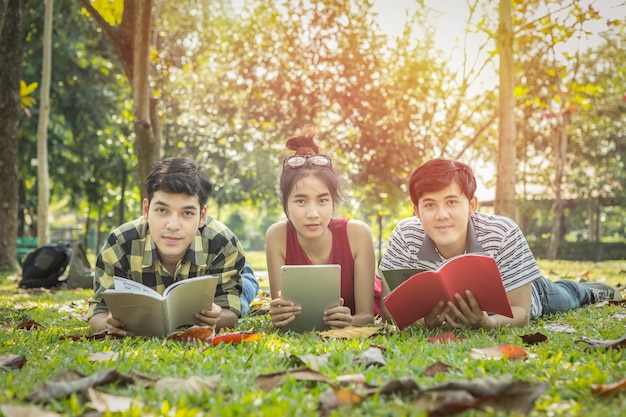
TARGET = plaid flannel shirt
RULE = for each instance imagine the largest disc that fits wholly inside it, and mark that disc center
(130, 252)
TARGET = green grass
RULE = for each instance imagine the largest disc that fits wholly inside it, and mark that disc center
(257, 260)
(562, 362)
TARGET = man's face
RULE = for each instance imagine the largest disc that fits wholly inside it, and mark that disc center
(445, 214)
(173, 221)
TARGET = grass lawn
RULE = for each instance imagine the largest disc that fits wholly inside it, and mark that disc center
(229, 371)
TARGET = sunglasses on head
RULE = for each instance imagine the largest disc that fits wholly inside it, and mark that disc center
(298, 161)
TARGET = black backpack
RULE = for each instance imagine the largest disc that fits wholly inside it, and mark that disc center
(43, 266)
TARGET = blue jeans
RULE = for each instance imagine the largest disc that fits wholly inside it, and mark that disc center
(249, 288)
(563, 295)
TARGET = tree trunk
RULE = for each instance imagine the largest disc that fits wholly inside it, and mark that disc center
(131, 40)
(145, 145)
(505, 187)
(559, 143)
(43, 180)
(11, 42)
(3, 12)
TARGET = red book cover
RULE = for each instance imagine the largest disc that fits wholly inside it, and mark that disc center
(417, 296)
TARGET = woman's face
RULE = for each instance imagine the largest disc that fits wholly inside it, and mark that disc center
(310, 207)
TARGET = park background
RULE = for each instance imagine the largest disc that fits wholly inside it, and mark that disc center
(388, 83)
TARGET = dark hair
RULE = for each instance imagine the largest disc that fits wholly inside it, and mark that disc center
(179, 176)
(304, 144)
(439, 173)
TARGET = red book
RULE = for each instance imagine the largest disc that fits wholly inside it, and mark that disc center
(417, 296)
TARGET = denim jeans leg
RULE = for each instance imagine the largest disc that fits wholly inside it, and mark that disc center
(250, 289)
(561, 295)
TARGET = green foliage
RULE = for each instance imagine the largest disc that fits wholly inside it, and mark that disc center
(563, 362)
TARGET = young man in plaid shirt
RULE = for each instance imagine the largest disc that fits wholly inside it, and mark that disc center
(174, 240)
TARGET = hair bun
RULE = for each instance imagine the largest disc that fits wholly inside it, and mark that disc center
(304, 143)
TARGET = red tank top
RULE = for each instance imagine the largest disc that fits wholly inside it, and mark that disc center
(339, 254)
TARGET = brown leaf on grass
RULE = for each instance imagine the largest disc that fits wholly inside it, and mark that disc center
(446, 337)
(503, 394)
(399, 386)
(333, 398)
(534, 338)
(312, 361)
(267, 382)
(349, 332)
(606, 389)
(10, 361)
(439, 368)
(372, 356)
(30, 324)
(500, 351)
(236, 337)
(69, 382)
(15, 410)
(600, 344)
(108, 355)
(142, 379)
(104, 402)
(194, 385)
(194, 334)
(560, 327)
(351, 379)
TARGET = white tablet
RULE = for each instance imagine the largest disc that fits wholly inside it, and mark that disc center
(315, 288)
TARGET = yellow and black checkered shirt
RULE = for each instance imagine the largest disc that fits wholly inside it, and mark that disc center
(130, 252)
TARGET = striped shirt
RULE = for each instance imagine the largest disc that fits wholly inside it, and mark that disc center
(410, 247)
(130, 252)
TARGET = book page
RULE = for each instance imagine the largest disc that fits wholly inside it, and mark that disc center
(187, 297)
(142, 313)
(394, 277)
(128, 285)
(479, 274)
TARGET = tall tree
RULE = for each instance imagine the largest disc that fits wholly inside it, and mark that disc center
(506, 162)
(11, 41)
(43, 230)
(131, 36)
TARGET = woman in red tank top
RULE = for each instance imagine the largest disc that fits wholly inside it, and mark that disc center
(311, 236)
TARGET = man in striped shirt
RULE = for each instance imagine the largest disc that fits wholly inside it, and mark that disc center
(446, 224)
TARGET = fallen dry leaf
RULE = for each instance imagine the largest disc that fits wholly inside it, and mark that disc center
(30, 324)
(70, 382)
(10, 361)
(560, 327)
(439, 368)
(399, 387)
(312, 361)
(237, 337)
(500, 351)
(104, 402)
(194, 385)
(108, 355)
(498, 393)
(15, 410)
(351, 379)
(349, 332)
(194, 334)
(446, 337)
(606, 389)
(267, 382)
(599, 344)
(534, 338)
(372, 356)
(333, 398)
